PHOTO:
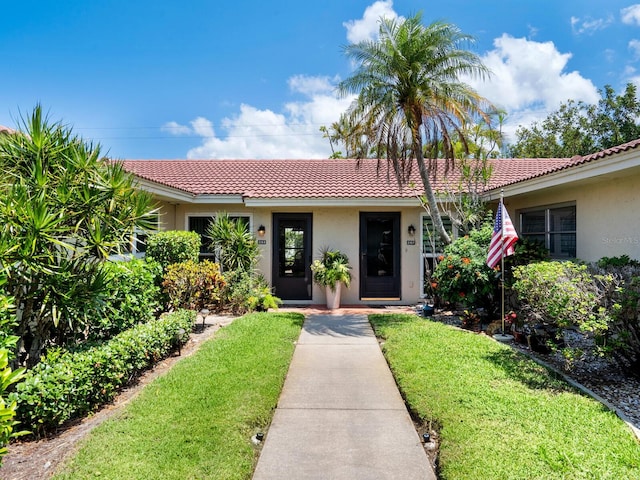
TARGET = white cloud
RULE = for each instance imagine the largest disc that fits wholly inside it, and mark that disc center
(589, 25)
(256, 133)
(367, 27)
(634, 46)
(529, 80)
(309, 85)
(631, 15)
(174, 128)
(200, 126)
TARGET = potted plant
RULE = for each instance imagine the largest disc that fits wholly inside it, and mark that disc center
(331, 271)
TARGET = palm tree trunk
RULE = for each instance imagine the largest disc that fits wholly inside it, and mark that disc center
(436, 216)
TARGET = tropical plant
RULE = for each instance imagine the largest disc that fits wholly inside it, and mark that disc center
(173, 246)
(7, 408)
(64, 209)
(231, 240)
(411, 99)
(332, 268)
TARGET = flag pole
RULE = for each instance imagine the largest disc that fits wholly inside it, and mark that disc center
(501, 206)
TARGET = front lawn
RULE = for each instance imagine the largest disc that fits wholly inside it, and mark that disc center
(499, 414)
(197, 421)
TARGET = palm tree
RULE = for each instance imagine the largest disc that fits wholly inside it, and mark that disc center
(411, 103)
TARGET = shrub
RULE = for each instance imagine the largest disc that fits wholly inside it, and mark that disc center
(7, 410)
(623, 301)
(245, 292)
(563, 294)
(66, 385)
(173, 246)
(462, 275)
(132, 297)
(193, 285)
(7, 376)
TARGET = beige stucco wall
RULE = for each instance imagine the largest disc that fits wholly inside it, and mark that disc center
(607, 214)
(335, 227)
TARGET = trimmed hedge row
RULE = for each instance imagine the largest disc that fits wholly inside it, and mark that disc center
(66, 385)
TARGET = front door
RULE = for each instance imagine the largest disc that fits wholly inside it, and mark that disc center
(380, 256)
(292, 255)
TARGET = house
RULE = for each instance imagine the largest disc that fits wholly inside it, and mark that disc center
(585, 207)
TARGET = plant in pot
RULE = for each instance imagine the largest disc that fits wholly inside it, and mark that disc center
(331, 271)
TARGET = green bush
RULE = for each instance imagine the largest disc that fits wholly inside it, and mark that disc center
(246, 292)
(173, 246)
(193, 285)
(7, 409)
(462, 274)
(621, 261)
(563, 294)
(623, 301)
(66, 385)
(132, 296)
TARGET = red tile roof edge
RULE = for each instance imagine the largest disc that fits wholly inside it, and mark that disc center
(514, 171)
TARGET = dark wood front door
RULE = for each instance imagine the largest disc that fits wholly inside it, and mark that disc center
(292, 255)
(379, 256)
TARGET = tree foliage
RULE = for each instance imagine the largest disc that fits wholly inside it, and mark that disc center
(411, 99)
(578, 128)
(64, 209)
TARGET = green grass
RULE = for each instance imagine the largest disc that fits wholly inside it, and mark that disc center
(499, 414)
(197, 421)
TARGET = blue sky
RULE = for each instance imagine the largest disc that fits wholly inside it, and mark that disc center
(254, 79)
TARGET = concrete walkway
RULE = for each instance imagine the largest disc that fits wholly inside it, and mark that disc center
(340, 415)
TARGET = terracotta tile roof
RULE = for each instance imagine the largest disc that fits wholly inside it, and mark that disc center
(273, 178)
(331, 178)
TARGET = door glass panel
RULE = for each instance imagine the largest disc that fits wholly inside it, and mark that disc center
(292, 251)
(380, 243)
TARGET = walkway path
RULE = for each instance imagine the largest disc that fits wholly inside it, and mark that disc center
(340, 415)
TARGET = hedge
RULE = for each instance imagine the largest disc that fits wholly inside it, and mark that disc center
(66, 385)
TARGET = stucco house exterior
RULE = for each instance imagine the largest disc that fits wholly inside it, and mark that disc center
(583, 207)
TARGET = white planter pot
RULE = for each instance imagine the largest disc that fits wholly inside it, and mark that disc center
(333, 297)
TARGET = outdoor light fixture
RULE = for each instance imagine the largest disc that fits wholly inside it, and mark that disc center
(179, 334)
(411, 230)
(261, 230)
(204, 312)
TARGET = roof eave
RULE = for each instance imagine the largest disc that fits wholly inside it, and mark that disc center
(332, 202)
(613, 165)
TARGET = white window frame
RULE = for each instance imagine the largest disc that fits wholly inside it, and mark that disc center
(425, 256)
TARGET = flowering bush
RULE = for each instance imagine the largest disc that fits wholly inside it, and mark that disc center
(462, 275)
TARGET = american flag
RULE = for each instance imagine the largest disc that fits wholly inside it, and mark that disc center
(502, 239)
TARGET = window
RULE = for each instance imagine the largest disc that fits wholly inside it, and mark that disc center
(554, 227)
(137, 244)
(432, 248)
(200, 224)
(140, 236)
